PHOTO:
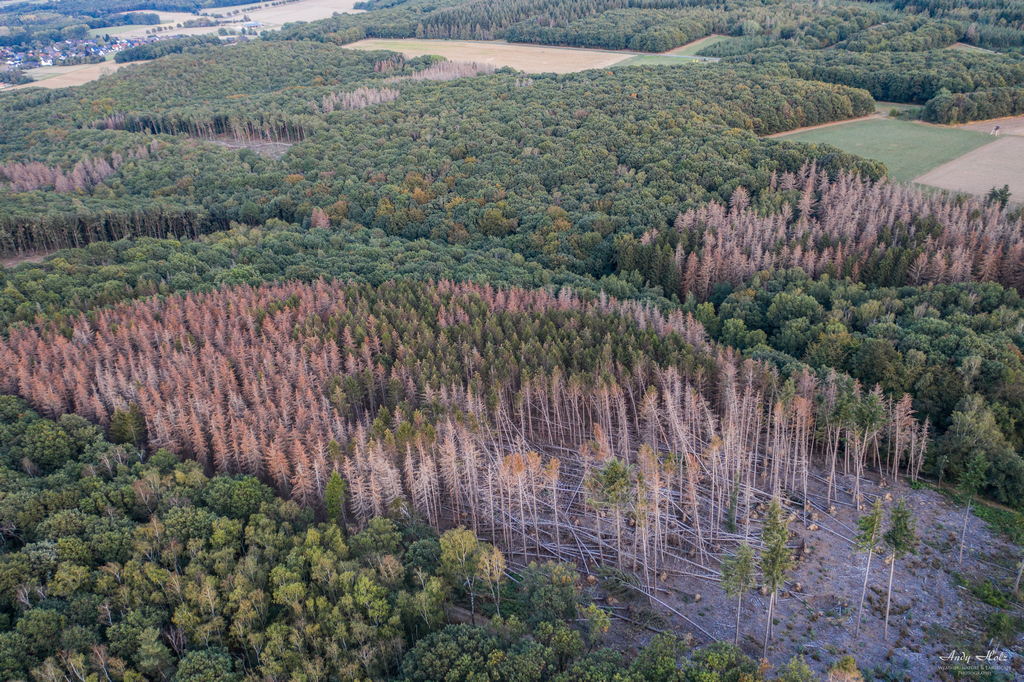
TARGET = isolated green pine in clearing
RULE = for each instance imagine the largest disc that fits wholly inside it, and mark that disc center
(901, 540)
(776, 560)
(738, 571)
(870, 527)
(737, 577)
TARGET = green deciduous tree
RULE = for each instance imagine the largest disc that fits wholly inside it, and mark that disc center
(598, 624)
(491, 569)
(47, 445)
(461, 552)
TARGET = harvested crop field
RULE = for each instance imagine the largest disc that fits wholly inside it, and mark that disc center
(1012, 125)
(54, 77)
(530, 58)
(993, 165)
(908, 150)
(270, 17)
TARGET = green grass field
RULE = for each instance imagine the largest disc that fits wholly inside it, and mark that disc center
(907, 149)
(699, 45)
(657, 60)
(886, 107)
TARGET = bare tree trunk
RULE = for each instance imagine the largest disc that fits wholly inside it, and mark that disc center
(739, 607)
(963, 533)
(888, 599)
(554, 513)
(1020, 569)
(863, 592)
(618, 537)
(768, 627)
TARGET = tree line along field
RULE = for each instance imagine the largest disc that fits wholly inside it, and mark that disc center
(908, 150)
(963, 159)
(539, 142)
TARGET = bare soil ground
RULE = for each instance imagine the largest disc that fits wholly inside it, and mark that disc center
(275, 150)
(933, 612)
(994, 165)
(1010, 125)
(529, 58)
(18, 260)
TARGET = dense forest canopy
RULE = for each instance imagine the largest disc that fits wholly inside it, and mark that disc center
(126, 568)
(660, 25)
(593, 180)
(497, 157)
(898, 52)
(313, 309)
